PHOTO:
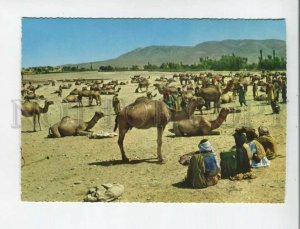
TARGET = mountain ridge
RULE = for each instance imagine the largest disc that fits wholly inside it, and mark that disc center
(158, 54)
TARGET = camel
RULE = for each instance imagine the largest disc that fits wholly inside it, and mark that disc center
(135, 79)
(33, 96)
(212, 93)
(142, 84)
(70, 99)
(32, 88)
(63, 86)
(33, 109)
(227, 97)
(90, 94)
(199, 125)
(184, 78)
(73, 127)
(262, 97)
(162, 88)
(146, 113)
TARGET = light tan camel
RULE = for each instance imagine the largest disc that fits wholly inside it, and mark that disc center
(227, 97)
(199, 125)
(33, 109)
(73, 127)
(70, 99)
(146, 113)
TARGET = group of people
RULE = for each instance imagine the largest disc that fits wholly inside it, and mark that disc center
(250, 150)
(174, 100)
(273, 90)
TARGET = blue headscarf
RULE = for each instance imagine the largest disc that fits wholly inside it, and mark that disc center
(205, 147)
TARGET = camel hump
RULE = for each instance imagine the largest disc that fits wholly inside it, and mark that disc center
(142, 99)
(65, 118)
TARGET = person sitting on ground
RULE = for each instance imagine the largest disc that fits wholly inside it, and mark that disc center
(243, 153)
(257, 151)
(212, 166)
(268, 142)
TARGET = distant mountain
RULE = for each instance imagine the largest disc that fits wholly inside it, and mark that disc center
(191, 54)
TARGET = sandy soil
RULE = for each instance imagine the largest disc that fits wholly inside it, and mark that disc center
(64, 169)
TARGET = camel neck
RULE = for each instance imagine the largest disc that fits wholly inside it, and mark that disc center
(92, 123)
(218, 122)
(45, 108)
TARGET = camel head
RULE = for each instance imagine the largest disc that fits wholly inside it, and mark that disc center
(193, 103)
(74, 91)
(98, 115)
(48, 102)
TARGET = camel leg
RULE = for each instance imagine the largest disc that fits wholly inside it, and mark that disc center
(83, 133)
(122, 133)
(34, 120)
(160, 131)
(39, 121)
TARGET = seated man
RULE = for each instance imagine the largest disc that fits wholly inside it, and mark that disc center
(212, 167)
(268, 142)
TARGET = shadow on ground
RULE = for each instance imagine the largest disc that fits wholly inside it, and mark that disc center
(120, 162)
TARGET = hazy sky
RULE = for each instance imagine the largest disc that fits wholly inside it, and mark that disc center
(63, 41)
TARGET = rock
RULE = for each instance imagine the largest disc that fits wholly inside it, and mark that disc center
(77, 182)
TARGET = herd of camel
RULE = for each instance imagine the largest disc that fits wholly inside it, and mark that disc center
(147, 112)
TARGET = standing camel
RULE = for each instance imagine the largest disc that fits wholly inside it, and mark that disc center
(146, 113)
(143, 83)
(33, 109)
(211, 93)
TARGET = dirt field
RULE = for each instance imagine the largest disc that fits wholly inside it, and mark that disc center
(64, 169)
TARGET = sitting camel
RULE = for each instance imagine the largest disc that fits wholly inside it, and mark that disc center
(145, 113)
(73, 127)
(227, 97)
(33, 109)
(70, 99)
(199, 125)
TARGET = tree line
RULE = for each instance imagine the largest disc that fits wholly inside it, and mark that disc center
(225, 63)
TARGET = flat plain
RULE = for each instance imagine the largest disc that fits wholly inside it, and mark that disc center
(63, 169)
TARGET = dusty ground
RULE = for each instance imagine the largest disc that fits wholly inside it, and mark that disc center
(64, 169)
